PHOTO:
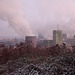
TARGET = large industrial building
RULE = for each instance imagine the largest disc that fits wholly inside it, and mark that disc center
(57, 39)
(31, 41)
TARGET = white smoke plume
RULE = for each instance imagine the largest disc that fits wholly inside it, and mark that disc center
(47, 14)
(12, 10)
(42, 15)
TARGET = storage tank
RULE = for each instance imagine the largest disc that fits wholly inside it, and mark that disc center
(31, 41)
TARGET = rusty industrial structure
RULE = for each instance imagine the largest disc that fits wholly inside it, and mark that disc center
(31, 41)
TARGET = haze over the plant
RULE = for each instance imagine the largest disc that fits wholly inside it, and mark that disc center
(12, 12)
(42, 16)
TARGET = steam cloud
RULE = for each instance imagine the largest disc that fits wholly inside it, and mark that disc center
(12, 10)
(42, 15)
(47, 14)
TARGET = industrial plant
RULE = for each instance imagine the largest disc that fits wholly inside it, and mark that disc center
(35, 55)
(31, 41)
(35, 42)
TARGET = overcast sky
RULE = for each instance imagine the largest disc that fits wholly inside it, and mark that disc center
(43, 16)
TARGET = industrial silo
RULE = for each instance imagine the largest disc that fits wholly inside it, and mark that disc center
(31, 41)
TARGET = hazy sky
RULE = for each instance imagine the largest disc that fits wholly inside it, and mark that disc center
(43, 16)
(6, 30)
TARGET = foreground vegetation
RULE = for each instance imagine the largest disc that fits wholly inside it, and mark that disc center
(59, 65)
(25, 60)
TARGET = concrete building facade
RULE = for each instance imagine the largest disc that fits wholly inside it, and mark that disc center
(57, 37)
(64, 36)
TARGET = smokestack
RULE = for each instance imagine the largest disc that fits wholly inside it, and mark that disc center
(31, 41)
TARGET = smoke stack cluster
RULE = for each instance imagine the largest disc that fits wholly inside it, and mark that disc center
(31, 41)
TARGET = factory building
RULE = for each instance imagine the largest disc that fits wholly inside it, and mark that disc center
(57, 37)
(45, 43)
(40, 37)
(64, 36)
(31, 41)
(74, 37)
(48, 43)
